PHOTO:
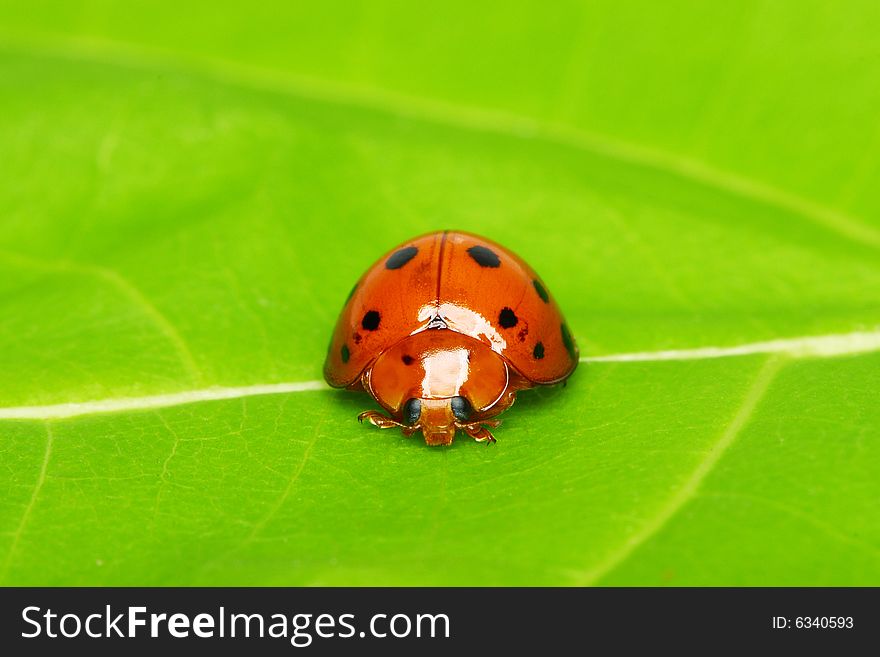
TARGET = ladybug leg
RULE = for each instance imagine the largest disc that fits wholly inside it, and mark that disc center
(377, 419)
(480, 433)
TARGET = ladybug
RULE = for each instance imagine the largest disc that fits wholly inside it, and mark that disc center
(443, 331)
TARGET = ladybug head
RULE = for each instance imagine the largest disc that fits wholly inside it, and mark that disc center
(438, 419)
(439, 382)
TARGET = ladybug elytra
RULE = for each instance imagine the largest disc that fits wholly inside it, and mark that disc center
(443, 331)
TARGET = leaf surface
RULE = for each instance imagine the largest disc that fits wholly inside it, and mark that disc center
(190, 193)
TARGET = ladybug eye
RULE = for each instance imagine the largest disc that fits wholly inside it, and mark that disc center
(411, 411)
(461, 409)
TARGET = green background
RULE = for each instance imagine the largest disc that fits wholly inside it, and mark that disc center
(189, 191)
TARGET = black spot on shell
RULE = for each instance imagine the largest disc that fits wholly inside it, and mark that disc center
(538, 351)
(371, 320)
(507, 318)
(357, 338)
(345, 353)
(541, 291)
(407, 359)
(484, 257)
(522, 333)
(568, 342)
(400, 257)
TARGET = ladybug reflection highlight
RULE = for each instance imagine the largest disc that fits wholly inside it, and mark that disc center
(443, 331)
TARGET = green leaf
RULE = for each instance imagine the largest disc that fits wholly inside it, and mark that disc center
(190, 191)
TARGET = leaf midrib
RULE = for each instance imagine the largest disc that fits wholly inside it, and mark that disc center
(823, 346)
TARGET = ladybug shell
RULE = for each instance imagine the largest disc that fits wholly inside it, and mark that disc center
(461, 282)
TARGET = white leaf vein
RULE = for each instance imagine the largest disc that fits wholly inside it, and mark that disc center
(818, 346)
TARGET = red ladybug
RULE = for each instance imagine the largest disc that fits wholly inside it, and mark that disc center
(443, 331)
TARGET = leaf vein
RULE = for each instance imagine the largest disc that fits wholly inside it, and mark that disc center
(32, 502)
(276, 507)
(462, 116)
(126, 288)
(688, 490)
(821, 346)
